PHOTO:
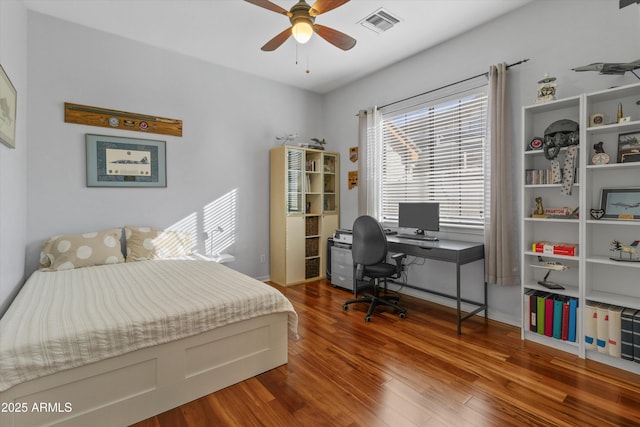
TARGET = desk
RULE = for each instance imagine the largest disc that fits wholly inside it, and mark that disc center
(453, 251)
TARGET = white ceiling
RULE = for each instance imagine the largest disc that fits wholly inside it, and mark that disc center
(231, 32)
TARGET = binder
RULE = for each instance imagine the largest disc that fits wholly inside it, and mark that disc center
(590, 325)
(626, 333)
(564, 333)
(615, 329)
(557, 317)
(548, 315)
(573, 318)
(602, 328)
(531, 307)
(636, 336)
(540, 313)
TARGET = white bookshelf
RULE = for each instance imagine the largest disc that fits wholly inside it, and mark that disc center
(592, 275)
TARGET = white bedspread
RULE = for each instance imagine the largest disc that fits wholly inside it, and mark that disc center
(66, 319)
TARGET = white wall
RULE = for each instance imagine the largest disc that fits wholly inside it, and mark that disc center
(555, 35)
(13, 162)
(229, 118)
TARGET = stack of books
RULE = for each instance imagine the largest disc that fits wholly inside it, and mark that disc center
(612, 330)
(552, 315)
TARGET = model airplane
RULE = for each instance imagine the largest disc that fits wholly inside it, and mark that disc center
(550, 265)
(615, 68)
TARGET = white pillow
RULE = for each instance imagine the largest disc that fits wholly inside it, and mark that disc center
(146, 243)
(81, 250)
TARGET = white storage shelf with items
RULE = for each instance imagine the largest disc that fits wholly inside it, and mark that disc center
(588, 236)
(550, 228)
(611, 226)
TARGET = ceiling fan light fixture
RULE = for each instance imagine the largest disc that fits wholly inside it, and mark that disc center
(302, 31)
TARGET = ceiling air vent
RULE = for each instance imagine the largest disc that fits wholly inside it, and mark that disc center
(379, 21)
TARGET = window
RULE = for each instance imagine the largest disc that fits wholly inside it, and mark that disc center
(436, 152)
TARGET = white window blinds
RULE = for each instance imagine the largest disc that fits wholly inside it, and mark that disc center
(435, 152)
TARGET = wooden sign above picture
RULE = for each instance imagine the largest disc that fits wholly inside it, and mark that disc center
(96, 116)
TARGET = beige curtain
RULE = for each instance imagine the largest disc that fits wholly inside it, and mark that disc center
(501, 239)
(368, 177)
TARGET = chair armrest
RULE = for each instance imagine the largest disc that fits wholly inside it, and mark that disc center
(398, 258)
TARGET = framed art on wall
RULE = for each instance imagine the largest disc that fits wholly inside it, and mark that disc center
(125, 162)
(8, 102)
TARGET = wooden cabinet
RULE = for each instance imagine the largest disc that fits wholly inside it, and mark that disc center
(598, 283)
(304, 212)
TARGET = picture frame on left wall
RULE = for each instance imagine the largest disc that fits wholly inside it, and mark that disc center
(8, 104)
(114, 161)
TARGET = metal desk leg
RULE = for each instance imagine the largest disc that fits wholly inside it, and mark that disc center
(458, 297)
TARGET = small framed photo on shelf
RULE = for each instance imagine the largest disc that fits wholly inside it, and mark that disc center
(629, 147)
(621, 203)
(125, 162)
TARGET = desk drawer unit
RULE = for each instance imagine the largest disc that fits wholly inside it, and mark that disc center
(341, 267)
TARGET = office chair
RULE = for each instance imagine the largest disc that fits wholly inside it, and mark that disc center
(369, 250)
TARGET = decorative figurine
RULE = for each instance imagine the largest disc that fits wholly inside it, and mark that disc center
(546, 89)
(539, 212)
(549, 266)
(597, 213)
(600, 158)
(616, 246)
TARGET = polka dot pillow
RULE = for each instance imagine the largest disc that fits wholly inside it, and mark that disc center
(144, 243)
(81, 250)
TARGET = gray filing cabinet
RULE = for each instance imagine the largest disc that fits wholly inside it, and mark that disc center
(341, 266)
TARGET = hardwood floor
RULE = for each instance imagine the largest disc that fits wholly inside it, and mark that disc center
(414, 372)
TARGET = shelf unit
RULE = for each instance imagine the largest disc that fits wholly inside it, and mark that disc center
(304, 212)
(592, 276)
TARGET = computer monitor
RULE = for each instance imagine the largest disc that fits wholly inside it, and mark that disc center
(423, 216)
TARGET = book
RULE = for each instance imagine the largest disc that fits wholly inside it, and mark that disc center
(602, 328)
(557, 316)
(590, 325)
(626, 333)
(569, 249)
(615, 330)
(548, 315)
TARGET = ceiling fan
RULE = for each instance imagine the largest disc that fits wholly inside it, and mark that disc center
(302, 17)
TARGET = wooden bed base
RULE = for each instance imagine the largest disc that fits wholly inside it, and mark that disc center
(132, 387)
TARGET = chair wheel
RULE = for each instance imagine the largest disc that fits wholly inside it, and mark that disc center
(367, 319)
(402, 315)
(344, 307)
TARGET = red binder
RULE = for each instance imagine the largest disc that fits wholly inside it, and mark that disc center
(565, 319)
(548, 316)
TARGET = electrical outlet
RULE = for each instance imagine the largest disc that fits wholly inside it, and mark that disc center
(263, 258)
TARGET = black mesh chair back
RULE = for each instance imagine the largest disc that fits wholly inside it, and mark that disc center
(369, 241)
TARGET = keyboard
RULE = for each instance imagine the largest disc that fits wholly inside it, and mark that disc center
(417, 237)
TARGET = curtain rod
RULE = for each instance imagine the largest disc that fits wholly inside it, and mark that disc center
(450, 84)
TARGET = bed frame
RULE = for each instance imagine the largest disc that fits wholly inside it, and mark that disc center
(132, 387)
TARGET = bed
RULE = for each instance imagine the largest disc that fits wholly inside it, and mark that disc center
(118, 342)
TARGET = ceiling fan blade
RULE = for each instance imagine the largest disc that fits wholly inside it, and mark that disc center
(275, 42)
(268, 5)
(323, 6)
(335, 37)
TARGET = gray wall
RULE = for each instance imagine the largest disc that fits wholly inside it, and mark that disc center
(219, 167)
(555, 35)
(13, 162)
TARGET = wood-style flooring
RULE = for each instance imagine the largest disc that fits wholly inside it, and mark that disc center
(414, 372)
